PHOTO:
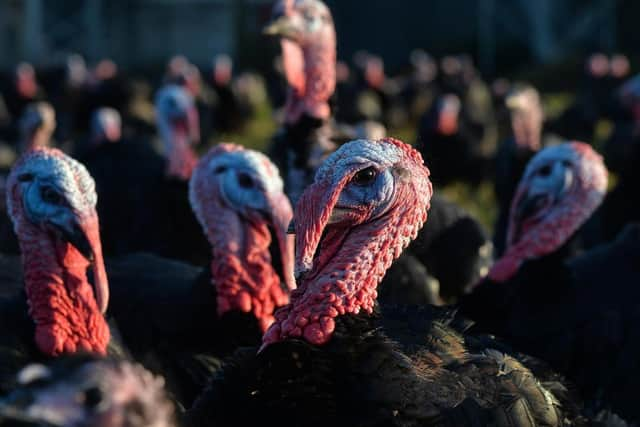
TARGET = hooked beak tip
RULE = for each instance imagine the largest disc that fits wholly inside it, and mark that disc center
(269, 31)
(78, 239)
(276, 27)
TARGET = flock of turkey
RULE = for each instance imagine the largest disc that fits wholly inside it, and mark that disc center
(139, 289)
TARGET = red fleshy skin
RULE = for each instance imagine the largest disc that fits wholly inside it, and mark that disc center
(179, 127)
(309, 64)
(241, 269)
(181, 158)
(351, 259)
(527, 117)
(67, 313)
(560, 220)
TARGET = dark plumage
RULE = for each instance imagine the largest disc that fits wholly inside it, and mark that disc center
(170, 226)
(451, 144)
(362, 378)
(127, 174)
(621, 206)
(408, 282)
(454, 248)
(17, 346)
(559, 312)
(298, 149)
(166, 311)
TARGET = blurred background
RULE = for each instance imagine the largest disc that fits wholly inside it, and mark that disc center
(502, 35)
(395, 60)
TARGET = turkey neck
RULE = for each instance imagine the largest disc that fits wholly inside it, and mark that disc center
(348, 264)
(61, 300)
(181, 158)
(243, 274)
(37, 138)
(310, 92)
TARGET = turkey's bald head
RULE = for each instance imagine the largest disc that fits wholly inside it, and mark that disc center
(561, 188)
(84, 391)
(368, 201)
(237, 195)
(179, 128)
(308, 43)
(51, 200)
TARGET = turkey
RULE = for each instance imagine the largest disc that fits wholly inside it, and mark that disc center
(454, 248)
(178, 319)
(139, 173)
(87, 391)
(605, 350)
(448, 141)
(308, 46)
(167, 206)
(621, 153)
(619, 71)
(105, 128)
(540, 298)
(579, 120)
(233, 108)
(22, 90)
(52, 203)
(326, 360)
(37, 123)
(308, 42)
(527, 116)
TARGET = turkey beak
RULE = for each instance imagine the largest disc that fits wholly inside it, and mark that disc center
(281, 217)
(312, 215)
(532, 202)
(529, 206)
(279, 26)
(77, 238)
(15, 415)
(84, 235)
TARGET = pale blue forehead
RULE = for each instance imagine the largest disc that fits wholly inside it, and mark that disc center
(67, 174)
(179, 94)
(551, 154)
(250, 161)
(358, 153)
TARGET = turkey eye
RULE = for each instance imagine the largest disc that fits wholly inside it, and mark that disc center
(92, 397)
(245, 180)
(365, 176)
(50, 195)
(220, 169)
(544, 171)
(566, 163)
